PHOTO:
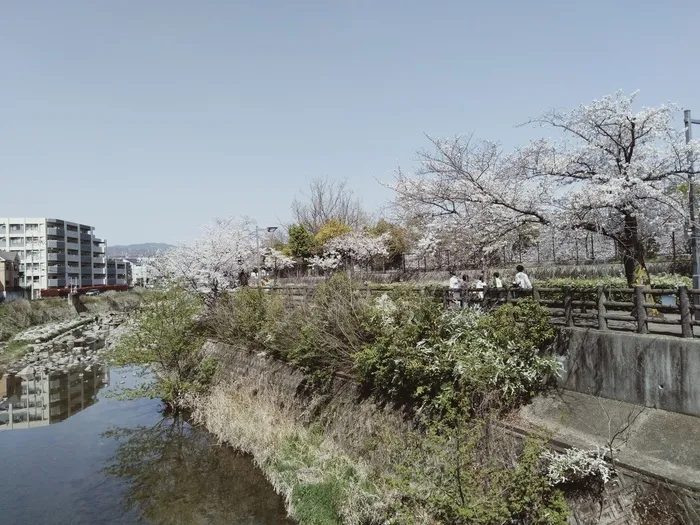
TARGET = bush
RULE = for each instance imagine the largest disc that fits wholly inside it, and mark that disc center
(463, 472)
(245, 314)
(166, 337)
(436, 360)
(319, 335)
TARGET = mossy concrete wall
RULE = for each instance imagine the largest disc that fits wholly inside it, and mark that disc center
(655, 371)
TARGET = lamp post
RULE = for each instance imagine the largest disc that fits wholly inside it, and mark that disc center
(268, 229)
(695, 260)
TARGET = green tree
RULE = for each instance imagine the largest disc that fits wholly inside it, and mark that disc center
(167, 338)
(331, 229)
(398, 239)
(301, 242)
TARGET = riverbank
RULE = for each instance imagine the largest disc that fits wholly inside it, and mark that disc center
(50, 334)
(18, 316)
(362, 409)
(325, 453)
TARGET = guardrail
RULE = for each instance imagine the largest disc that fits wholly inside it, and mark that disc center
(644, 310)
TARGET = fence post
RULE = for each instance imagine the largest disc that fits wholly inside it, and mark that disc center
(568, 307)
(640, 309)
(602, 320)
(686, 327)
(445, 298)
(535, 294)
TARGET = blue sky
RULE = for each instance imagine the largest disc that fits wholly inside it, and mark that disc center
(148, 119)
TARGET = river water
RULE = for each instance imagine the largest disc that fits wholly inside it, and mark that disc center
(72, 454)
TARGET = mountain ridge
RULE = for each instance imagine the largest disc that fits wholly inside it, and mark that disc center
(137, 250)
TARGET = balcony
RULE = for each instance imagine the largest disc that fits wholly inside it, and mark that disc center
(56, 269)
(59, 232)
(98, 249)
(73, 246)
(85, 259)
(56, 283)
(86, 282)
(72, 258)
(99, 259)
(73, 234)
(85, 237)
(56, 244)
(57, 257)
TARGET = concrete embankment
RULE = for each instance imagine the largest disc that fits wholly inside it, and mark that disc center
(659, 372)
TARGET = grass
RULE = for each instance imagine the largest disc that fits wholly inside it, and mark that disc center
(320, 483)
(20, 315)
(316, 503)
(12, 352)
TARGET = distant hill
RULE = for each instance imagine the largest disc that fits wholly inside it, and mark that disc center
(136, 250)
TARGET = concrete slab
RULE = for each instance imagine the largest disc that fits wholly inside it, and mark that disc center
(655, 442)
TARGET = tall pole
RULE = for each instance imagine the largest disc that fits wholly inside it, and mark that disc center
(257, 249)
(695, 260)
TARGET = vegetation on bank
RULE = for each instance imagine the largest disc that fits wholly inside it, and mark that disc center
(453, 373)
(19, 315)
(166, 338)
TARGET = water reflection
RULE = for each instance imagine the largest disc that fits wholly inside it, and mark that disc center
(48, 398)
(175, 473)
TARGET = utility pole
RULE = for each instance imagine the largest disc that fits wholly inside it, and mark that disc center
(695, 260)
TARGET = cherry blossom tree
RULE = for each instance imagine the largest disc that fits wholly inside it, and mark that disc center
(359, 246)
(327, 262)
(615, 172)
(275, 260)
(214, 262)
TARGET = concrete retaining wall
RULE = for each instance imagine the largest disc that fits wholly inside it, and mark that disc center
(655, 371)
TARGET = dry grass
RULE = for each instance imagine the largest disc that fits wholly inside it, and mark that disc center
(256, 417)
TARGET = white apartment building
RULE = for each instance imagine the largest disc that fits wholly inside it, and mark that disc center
(55, 253)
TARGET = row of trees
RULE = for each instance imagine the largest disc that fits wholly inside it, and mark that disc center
(612, 173)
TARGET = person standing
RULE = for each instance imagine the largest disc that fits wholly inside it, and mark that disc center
(496, 281)
(455, 288)
(479, 286)
(464, 290)
(521, 281)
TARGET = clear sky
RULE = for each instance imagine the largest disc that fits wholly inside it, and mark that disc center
(149, 118)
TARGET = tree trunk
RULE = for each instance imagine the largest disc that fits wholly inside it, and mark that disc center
(633, 260)
(632, 250)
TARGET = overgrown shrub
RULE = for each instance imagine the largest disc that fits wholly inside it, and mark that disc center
(462, 472)
(437, 360)
(167, 337)
(319, 334)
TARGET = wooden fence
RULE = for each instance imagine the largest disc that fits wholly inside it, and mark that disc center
(641, 309)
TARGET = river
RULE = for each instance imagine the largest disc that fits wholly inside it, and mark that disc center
(73, 454)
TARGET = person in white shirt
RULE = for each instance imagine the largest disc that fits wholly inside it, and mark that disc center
(496, 281)
(522, 281)
(455, 283)
(479, 285)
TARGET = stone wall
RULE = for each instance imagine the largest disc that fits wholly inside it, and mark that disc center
(655, 371)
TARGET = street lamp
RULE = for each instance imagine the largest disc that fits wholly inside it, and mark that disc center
(695, 260)
(268, 229)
